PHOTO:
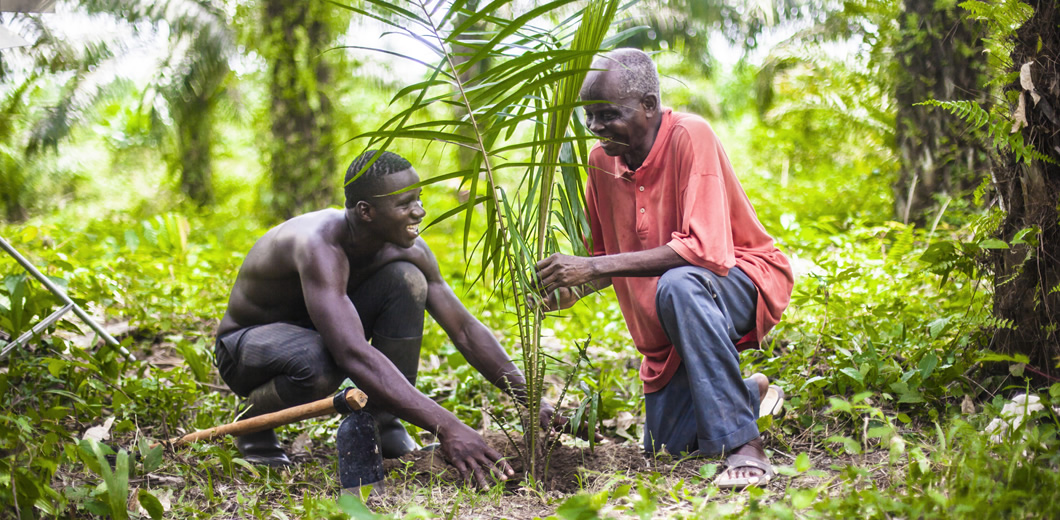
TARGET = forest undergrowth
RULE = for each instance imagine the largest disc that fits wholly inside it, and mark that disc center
(896, 406)
(890, 392)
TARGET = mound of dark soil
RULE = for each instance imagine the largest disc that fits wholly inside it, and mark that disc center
(569, 467)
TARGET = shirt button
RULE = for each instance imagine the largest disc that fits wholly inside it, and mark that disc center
(642, 210)
(642, 188)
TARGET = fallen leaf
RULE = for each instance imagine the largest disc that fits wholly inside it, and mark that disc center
(967, 406)
(164, 499)
(301, 443)
(1027, 83)
(99, 433)
(1019, 116)
(1025, 76)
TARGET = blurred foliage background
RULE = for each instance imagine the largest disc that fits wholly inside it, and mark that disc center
(145, 146)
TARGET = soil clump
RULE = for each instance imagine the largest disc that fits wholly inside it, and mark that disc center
(570, 467)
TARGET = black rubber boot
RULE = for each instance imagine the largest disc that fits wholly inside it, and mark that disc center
(394, 440)
(263, 448)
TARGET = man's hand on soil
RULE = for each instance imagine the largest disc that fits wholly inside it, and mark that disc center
(550, 421)
(473, 458)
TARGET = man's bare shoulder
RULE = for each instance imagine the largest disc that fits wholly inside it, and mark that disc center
(419, 254)
(284, 248)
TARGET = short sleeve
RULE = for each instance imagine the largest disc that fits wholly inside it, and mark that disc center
(704, 235)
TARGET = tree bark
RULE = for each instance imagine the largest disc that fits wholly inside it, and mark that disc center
(194, 137)
(302, 162)
(941, 57)
(1027, 277)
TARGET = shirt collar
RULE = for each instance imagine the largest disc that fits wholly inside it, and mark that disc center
(656, 149)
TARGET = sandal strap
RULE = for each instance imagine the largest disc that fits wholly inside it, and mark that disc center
(745, 461)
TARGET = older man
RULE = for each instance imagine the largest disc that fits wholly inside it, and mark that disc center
(697, 276)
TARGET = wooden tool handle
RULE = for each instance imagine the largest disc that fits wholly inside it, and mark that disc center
(354, 398)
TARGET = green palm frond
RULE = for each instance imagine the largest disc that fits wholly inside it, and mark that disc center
(51, 52)
(513, 86)
(195, 67)
(533, 79)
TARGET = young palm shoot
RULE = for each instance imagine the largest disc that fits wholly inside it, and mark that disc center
(505, 78)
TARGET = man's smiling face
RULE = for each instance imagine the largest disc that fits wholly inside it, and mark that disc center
(398, 215)
(622, 120)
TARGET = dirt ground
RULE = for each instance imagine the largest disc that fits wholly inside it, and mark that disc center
(423, 478)
(565, 465)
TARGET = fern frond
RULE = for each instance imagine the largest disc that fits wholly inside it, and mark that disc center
(1002, 17)
(1008, 15)
(993, 322)
(995, 125)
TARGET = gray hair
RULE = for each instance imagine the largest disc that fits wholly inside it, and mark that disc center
(636, 70)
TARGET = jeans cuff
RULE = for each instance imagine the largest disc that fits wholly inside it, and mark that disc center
(729, 442)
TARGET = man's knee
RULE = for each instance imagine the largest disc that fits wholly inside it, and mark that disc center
(406, 279)
(686, 285)
(679, 282)
(312, 386)
(314, 376)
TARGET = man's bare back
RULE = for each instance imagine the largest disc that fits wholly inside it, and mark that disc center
(268, 288)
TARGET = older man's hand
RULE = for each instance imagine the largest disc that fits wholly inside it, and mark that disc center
(561, 298)
(561, 270)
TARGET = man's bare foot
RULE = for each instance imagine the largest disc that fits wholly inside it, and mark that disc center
(763, 384)
(748, 465)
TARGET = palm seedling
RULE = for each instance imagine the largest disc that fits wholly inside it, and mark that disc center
(513, 87)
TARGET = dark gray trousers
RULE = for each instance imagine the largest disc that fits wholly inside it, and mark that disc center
(708, 405)
(390, 304)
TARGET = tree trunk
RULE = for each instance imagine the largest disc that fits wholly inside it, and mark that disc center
(12, 186)
(302, 164)
(1027, 278)
(194, 135)
(941, 58)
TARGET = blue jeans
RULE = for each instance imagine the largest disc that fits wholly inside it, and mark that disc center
(708, 405)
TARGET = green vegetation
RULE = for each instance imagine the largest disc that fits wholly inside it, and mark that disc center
(886, 352)
(533, 79)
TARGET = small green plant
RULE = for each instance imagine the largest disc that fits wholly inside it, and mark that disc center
(528, 84)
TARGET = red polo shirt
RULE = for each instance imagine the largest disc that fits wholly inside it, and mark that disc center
(687, 197)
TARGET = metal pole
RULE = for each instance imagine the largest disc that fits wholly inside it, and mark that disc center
(37, 329)
(58, 291)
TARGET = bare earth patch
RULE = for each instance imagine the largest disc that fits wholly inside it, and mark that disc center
(425, 479)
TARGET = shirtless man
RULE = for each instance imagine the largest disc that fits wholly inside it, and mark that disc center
(341, 293)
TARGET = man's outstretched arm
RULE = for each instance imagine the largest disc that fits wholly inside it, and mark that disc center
(324, 273)
(561, 270)
(481, 349)
(475, 341)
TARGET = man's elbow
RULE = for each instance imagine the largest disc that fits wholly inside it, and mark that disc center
(463, 338)
(355, 363)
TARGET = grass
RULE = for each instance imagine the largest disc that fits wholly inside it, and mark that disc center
(872, 428)
(881, 354)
